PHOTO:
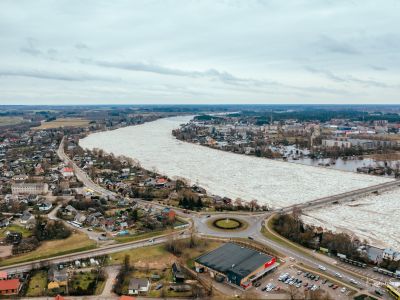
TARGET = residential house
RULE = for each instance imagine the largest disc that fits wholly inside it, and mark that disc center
(10, 287)
(32, 199)
(168, 215)
(123, 297)
(70, 210)
(67, 172)
(45, 206)
(94, 218)
(177, 273)
(109, 224)
(80, 218)
(39, 169)
(160, 182)
(138, 285)
(4, 222)
(20, 178)
(64, 184)
(26, 217)
(391, 254)
(123, 225)
(57, 278)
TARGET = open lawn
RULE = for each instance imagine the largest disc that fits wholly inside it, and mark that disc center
(82, 280)
(76, 242)
(63, 122)
(4, 121)
(152, 254)
(86, 280)
(16, 228)
(37, 284)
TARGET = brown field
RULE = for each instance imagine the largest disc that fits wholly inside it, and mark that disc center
(153, 256)
(5, 251)
(386, 156)
(63, 122)
(4, 121)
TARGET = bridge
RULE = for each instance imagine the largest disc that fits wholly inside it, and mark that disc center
(343, 197)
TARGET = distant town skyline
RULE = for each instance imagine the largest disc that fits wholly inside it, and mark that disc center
(199, 52)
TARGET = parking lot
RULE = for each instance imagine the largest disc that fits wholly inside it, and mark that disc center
(290, 280)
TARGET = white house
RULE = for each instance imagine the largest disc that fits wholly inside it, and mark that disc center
(391, 254)
(67, 172)
(45, 206)
(138, 285)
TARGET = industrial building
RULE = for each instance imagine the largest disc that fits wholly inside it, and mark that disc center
(236, 264)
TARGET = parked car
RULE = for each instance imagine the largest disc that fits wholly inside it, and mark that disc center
(321, 268)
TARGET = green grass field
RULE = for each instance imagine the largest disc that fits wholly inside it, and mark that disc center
(16, 228)
(228, 223)
(37, 284)
(82, 280)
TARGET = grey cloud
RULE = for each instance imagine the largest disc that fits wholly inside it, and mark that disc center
(378, 68)
(30, 47)
(222, 76)
(213, 74)
(81, 46)
(327, 73)
(42, 74)
(329, 44)
(349, 78)
(52, 51)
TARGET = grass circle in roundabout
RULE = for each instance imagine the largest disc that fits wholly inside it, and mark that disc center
(227, 223)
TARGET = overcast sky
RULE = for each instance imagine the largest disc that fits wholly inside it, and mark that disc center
(272, 51)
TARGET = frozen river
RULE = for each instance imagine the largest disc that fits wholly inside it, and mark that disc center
(276, 183)
(375, 218)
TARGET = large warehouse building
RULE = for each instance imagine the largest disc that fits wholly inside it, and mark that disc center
(236, 264)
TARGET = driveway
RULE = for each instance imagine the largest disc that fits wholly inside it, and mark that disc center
(112, 272)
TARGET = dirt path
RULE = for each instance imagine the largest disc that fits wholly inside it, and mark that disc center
(112, 273)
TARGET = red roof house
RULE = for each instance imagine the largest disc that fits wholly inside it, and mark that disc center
(127, 298)
(10, 287)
